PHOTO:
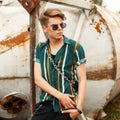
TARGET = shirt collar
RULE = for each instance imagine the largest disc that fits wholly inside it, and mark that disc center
(66, 40)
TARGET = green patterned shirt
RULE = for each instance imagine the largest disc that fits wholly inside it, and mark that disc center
(67, 59)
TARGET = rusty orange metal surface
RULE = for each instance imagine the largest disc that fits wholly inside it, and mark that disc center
(13, 41)
(99, 34)
(100, 73)
(29, 5)
(14, 46)
(13, 104)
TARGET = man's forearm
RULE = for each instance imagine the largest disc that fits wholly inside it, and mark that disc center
(45, 86)
(81, 94)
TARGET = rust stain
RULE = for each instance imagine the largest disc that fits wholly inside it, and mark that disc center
(102, 20)
(100, 74)
(29, 5)
(94, 113)
(91, 1)
(93, 20)
(97, 27)
(13, 104)
(0, 102)
(98, 24)
(11, 42)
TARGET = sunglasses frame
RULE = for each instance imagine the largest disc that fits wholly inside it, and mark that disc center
(56, 26)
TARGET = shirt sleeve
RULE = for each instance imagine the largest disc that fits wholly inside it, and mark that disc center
(80, 55)
(37, 54)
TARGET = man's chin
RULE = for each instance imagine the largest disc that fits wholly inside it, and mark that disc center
(59, 38)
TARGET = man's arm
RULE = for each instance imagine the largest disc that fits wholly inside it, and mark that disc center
(65, 99)
(42, 83)
(81, 73)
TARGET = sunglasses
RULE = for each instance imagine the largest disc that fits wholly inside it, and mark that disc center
(56, 26)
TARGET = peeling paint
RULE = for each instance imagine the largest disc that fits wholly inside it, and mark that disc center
(102, 20)
(102, 50)
(14, 41)
(97, 27)
(15, 63)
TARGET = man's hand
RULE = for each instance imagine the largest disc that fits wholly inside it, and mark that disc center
(72, 112)
(66, 101)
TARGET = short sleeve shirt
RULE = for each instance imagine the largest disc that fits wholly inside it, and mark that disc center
(70, 55)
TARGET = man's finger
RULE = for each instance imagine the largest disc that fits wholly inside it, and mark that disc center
(72, 96)
(66, 111)
(73, 103)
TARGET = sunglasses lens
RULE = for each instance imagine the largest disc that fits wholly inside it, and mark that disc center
(63, 25)
(55, 27)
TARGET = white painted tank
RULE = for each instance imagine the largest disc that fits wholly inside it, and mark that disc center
(15, 84)
(98, 30)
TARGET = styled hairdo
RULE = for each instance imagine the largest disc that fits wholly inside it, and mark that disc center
(50, 13)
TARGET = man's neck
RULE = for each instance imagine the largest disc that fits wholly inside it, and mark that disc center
(57, 42)
(55, 45)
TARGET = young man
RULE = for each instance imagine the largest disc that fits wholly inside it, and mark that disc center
(58, 63)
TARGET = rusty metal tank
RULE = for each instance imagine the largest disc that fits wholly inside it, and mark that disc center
(98, 30)
(95, 27)
(15, 84)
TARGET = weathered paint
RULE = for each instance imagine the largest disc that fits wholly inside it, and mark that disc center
(9, 43)
(97, 29)
(114, 26)
(29, 5)
(77, 4)
(15, 63)
(12, 105)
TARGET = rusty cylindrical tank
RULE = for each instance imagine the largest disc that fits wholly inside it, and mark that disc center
(15, 84)
(98, 30)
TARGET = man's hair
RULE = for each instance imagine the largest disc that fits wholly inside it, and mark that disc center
(50, 13)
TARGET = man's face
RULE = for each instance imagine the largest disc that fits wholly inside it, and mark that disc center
(54, 28)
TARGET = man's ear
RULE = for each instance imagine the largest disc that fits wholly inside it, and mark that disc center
(44, 28)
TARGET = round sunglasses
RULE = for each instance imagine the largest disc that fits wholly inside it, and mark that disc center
(56, 26)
